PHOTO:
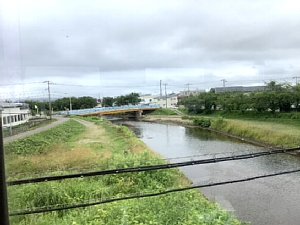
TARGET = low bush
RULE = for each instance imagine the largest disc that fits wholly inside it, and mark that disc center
(202, 122)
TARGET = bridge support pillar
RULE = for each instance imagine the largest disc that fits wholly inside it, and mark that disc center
(135, 115)
(138, 114)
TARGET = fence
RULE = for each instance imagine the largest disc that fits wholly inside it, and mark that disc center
(21, 128)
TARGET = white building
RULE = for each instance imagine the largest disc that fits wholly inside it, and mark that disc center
(170, 102)
(14, 113)
(147, 99)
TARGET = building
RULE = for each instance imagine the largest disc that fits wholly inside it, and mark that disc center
(147, 99)
(240, 89)
(14, 113)
(190, 92)
(170, 101)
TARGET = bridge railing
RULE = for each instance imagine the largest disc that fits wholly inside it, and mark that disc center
(107, 109)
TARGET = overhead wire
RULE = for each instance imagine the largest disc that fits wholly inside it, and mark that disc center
(131, 162)
(43, 210)
(147, 167)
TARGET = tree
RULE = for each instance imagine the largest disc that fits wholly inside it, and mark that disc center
(258, 101)
(130, 99)
(87, 102)
(285, 101)
(296, 96)
(107, 101)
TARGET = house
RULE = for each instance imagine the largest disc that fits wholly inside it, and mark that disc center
(169, 101)
(14, 113)
(147, 99)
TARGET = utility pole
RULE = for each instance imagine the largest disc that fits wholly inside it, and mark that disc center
(3, 191)
(160, 96)
(49, 97)
(166, 95)
(188, 85)
(224, 84)
(70, 104)
(296, 79)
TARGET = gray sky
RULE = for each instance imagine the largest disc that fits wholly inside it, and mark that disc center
(109, 48)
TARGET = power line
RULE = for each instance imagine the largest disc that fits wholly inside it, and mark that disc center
(148, 168)
(33, 211)
(107, 165)
(20, 84)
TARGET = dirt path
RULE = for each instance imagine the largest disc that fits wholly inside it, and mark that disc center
(60, 120)
(94, 133)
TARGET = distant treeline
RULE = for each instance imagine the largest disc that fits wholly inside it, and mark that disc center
(83, 102)
(281, 97)
(64, 104)
(130, 99)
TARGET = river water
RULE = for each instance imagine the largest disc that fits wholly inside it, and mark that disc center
(274, 200)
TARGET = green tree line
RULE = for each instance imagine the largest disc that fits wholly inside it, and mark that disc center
(64, 103)
(130, 99)
(281, 97)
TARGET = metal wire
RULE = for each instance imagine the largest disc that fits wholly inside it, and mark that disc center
(143, 195)
(148, 167)
(132, 162)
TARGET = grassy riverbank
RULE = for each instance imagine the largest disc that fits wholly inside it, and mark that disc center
(280, 130)
(97, 145)
(268, 132)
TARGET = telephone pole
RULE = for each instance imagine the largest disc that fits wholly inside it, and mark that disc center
(160, 90)
(166, 95)
(188, 85)
(224, 84)
(296, 79)
(49, 99)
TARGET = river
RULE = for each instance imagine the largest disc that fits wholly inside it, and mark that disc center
(274, 200)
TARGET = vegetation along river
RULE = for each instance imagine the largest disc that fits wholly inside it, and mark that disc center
(273, 200)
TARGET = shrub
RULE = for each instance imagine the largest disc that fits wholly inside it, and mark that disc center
(202, 122)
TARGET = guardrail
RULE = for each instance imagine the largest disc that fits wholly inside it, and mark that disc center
(107, 109)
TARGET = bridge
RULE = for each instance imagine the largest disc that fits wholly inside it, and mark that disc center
(112, 110)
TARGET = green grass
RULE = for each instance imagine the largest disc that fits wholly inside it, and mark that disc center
(37, 143)
(278, 129)
(163, 112)
(183, 110)
(185, 208)
(273, 133)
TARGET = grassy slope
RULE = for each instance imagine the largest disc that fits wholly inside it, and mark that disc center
(163, 112)
(100, 146)
(268, 132)
(281, 130)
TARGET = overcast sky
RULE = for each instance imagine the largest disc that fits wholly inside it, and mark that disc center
(109, 48)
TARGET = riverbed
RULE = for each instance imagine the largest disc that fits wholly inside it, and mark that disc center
(273, 200)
